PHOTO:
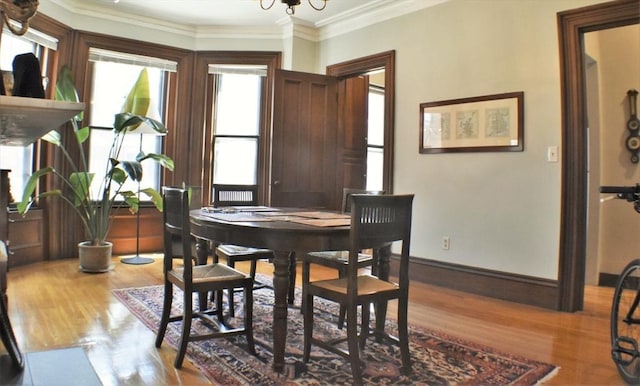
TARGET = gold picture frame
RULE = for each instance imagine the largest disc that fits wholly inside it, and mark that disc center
(478, 124)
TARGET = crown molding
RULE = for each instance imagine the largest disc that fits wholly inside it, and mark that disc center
(294, 27)
(289, 26)
(372, 13)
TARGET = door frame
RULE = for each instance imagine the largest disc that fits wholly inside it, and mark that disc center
(572, 25)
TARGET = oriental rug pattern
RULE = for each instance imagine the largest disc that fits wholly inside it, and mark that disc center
(437, 358)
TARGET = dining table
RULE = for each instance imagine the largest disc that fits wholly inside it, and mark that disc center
(286, 231)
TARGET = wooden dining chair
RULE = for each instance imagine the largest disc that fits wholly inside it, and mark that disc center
(338, 260)
(200, 279)
(376, 220)
(6, 331)
(225, 195)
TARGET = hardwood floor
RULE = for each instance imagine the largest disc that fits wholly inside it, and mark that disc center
(53, 305)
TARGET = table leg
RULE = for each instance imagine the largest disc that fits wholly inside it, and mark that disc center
(384, 254)
(280, 289)
(291, 295)
(202, 254)
(202, 251)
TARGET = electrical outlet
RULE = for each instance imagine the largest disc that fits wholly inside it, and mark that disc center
(446, 243)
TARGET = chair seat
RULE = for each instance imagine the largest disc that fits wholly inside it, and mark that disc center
(237, 251)
(367, 285)
(210, 273)
(337, 259)
(234, 253)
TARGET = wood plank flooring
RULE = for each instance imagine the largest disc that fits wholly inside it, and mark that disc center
(53, 305)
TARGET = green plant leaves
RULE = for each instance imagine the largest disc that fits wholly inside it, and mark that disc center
(80, 183)
(133, 169)
(155, 197)
(53, 137)
(83, 134)
(65, 90)
(132, 123)
(165, 161)
(139, 99)
(24, 205)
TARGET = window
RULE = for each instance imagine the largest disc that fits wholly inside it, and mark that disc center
(236, 123)
(113, 76)
(19, 159)
(375, 138)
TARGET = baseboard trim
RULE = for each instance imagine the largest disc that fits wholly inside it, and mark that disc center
(607, 279)
(500, 285)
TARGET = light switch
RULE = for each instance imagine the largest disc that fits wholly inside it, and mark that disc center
(552, 154)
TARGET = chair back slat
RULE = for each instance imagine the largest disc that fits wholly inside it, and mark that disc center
(235, 195)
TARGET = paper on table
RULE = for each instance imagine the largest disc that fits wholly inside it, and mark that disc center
(254, 209)
(233, 209)
(319, 215)
(323, 222)
(274, 214)
(237, 217)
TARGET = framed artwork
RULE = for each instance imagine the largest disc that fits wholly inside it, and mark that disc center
(484, 123)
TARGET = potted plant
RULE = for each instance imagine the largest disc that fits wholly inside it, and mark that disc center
(95, 211)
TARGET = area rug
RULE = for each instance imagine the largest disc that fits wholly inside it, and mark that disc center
(437, 358)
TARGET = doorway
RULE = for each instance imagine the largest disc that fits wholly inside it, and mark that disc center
(377, 67)
(574, 196)
(612, 70)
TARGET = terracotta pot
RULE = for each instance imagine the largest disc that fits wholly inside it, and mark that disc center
(95, 258)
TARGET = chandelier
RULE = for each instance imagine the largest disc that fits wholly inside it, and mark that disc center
(291, 4)
(20, 11)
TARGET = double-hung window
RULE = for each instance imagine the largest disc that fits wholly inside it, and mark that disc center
(19, 159)
(375, 138)
(114, 74)
(236, 123)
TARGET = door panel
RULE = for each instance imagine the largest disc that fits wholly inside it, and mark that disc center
(352, 141)
(304, 140)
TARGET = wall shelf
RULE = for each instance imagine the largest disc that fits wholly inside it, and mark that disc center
(24, 120)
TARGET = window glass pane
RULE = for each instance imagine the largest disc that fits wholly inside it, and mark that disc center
(15, 158)
(375, 132)
(235, 161)
(374, 168)
(111, 85)
(101, 140)
(112, 82)
(19, 160)
(237, 110)
(13, 45)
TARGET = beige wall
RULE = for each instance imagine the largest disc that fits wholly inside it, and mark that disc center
(501, 210)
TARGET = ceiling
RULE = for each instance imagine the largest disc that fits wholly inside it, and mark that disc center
(238, 13)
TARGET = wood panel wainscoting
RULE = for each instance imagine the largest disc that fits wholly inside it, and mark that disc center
(123, 232)
(495, 284)
(26, 238)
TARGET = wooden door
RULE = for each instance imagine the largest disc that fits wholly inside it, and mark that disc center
(304, 147)
(352, 139)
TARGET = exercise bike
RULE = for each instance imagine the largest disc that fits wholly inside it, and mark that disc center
(625, 315)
